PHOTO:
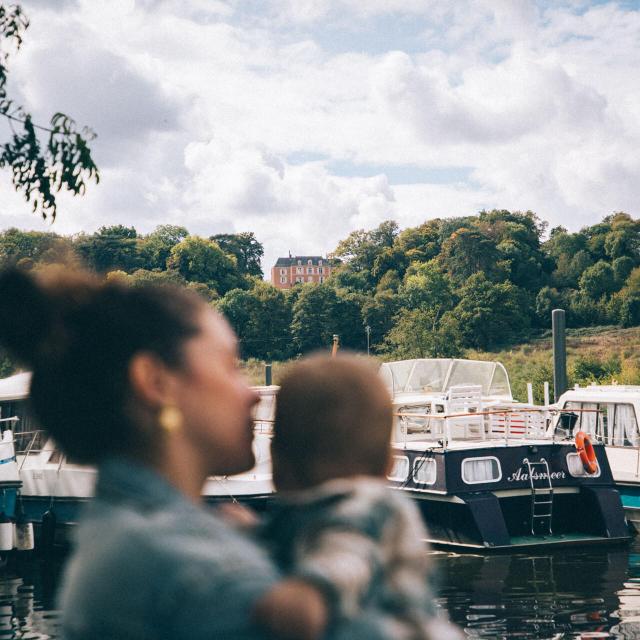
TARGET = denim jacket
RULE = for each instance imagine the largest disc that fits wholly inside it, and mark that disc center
(150, 564)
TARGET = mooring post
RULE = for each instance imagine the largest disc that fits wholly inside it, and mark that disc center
(558, 330)
(267, 375)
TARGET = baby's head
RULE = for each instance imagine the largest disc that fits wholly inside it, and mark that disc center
(333, 420)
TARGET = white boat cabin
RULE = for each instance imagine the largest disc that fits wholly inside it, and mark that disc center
(609, 414)
(448, 400)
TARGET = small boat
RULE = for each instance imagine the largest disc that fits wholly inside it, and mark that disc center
(484, 470)
(46, 481)
(609, 414)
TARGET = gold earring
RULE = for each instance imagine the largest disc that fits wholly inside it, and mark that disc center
(170, 418)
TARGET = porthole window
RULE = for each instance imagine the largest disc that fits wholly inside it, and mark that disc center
(424, 470)
(478, 470)
(400, 469)
(576, 468)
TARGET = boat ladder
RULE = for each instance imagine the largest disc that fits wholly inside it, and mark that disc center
(541, 496)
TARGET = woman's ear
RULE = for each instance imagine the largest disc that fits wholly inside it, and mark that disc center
(150, 379)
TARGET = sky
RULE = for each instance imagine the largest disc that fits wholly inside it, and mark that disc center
(303, 120)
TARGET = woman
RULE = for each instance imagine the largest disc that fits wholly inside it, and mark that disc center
(142, 382)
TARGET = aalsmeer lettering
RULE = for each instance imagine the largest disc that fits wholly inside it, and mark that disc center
(520, 475)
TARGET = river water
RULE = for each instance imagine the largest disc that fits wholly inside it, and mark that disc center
(579, 593)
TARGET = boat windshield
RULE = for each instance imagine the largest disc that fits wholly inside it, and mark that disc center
(438, 375)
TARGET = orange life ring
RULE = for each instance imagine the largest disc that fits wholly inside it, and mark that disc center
(586, 452)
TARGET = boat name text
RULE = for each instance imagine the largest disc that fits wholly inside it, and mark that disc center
(520, 475)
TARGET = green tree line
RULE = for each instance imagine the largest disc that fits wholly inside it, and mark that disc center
(482, 282)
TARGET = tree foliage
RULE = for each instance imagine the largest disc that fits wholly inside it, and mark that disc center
(42, 160)
(438, 289)
(261, 317)
(247, 251)
(200, 260)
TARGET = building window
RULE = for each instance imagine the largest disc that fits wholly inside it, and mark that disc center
(299, 270)
(321, 279)
(320, 262)
(299, 279)
(283, 272)
(299, 261)
(309, 269)
(283, 279)
(309, 261)
(320, 270)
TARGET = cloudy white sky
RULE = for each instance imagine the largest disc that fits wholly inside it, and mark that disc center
(302, 120)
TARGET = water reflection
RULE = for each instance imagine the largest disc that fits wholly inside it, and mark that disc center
(588, 593)
(27, 593)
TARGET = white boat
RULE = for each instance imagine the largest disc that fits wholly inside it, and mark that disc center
(48, 481)
(482, 467)
(609, 414)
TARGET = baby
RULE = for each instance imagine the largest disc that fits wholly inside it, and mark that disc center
(348, 542)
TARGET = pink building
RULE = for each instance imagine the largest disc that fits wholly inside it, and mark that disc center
(298, 269)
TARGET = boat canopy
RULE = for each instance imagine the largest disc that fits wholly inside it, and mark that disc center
(438, 375)
(15, 387)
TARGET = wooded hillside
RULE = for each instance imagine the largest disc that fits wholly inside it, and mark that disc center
(450, 285)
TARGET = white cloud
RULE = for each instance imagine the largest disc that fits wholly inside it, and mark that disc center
(302, 208)
(200, 106)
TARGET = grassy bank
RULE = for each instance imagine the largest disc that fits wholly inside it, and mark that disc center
(596, 354)
(606, 355)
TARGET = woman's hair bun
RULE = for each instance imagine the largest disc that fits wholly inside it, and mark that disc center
(27, 315)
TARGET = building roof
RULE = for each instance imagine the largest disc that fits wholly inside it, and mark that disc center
(293, 260)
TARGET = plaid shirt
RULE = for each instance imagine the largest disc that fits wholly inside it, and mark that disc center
(363, 545)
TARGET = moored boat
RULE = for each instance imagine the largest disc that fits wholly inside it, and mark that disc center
(46, 481)
(609, 414)
(484, 470)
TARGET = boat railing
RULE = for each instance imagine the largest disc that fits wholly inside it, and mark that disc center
(490, 424)
(495, 424)
(32, 443)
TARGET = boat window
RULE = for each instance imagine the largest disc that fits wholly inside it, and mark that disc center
(415, 419)
(585, 418)
(613, 423)
(400, 373)
(589, 421)
(265, 409)
(500, 382)
(387, 377)
(428, 375)
(437, 375)
(465, 373)
(424, 470)
(576, 468)
(477, 470)
(400, 468)
(623, 426)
